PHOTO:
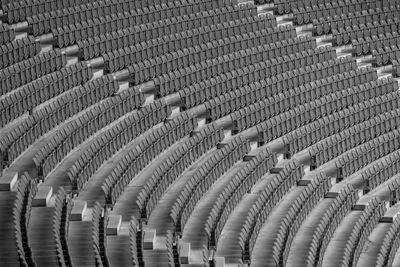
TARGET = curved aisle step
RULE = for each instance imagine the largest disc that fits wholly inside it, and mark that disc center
(41, 237)
(119, 249)
(80, 243)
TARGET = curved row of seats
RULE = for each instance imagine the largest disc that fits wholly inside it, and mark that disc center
(121, 133)
(256, 167)
(260, 44)
(150, 134)
(165, 174)
(286, 178)
(147, 149)
(29, 96)
(316, 237)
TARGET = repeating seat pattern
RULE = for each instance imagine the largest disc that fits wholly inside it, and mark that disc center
(390, 245)
(203, 179)
(175, 81)
(266, 201)
(17, 50)
(76, 131)
(31, 69)
(166, 173)
(149, 69)
(149, 147)
(368, 44)
(68, 35)
(314, 247)
(123, 39)
(384, 56)
(343, 36)
(115, 138)
(6, 34)
(350, 253)
(39, 91)
(183, 132)
(16, 11)
(293, 119)
(381, 171)
(325, 25)
(254, 170)
(227, 83)
(365, 132)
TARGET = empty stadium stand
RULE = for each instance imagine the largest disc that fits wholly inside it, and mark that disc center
(199, 133)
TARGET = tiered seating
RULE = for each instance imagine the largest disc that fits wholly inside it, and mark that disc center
(31, 69)
(39, 91)
(26, 190)
(366, 45)
(280, 103)
(365, 131)
(293, 119)
(175, 81)
(16, 11)
(148, 148)
(76, 131)
(257, 166)
(56, 112)
(17, 50)
(349, 253)
(203, 179)
(344, 36)
(122, 39)
(146, 70)
(316, 236)
(390, 245)
(70, 34)
(286, 178)
(226, 84)
(6, 34)
(318, 108)
(126, 109)
(270, 88)
(384, 56)
(88, 12)
(336, 20)
(283, 235)
(169, 170)
(381, 171)
(115, 138)
(286, 6)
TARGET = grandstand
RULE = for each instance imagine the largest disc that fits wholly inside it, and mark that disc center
(199, 133)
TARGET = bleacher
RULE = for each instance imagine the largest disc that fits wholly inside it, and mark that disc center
(199, 133)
